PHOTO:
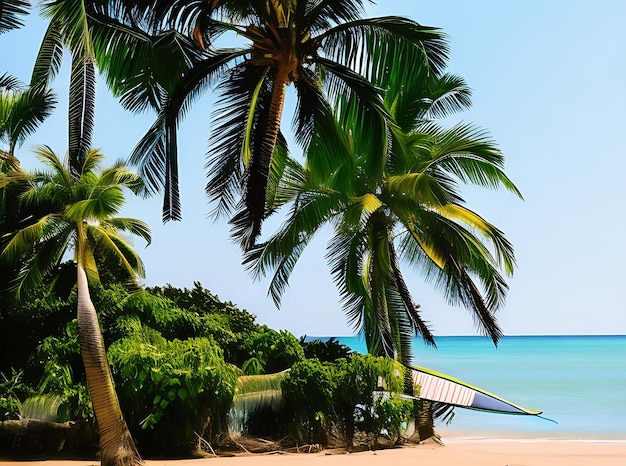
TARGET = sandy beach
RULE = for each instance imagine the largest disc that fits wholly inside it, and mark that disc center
(456, 452)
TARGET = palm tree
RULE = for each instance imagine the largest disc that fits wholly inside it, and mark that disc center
(22, 110)
(403, 206)
(83, 220)
(321, 47)
(10, 13)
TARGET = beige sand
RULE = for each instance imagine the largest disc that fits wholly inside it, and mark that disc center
(456, 452)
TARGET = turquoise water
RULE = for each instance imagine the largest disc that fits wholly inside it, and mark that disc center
(579, 381)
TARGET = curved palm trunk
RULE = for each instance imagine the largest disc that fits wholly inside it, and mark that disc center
(116, 444)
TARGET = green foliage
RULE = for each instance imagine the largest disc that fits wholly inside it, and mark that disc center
(24, 325)
(229, 326)
(308, 391)
(391, 415)
(160, 314)
(173, 379)
(10, 407)
(171, 389)
(272, 351)
(12, 391)
(363, 374)
(61, 359)
(359, 380)
(326, 351)
(45, 331)
(357, 394)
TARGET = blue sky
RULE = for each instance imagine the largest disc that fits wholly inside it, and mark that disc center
(548, 83)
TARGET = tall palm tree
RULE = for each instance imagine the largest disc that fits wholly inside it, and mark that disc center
(404, 206)
(83, 220)
(11, 12)
(322, 47)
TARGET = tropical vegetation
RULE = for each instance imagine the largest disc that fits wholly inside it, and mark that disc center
(81, 217)
(168, 365)
(376, 167)
(314, 45)
(400, 205)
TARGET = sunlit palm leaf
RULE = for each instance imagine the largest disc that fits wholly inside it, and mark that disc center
(79, 201)
(71, 19)
(22, 110)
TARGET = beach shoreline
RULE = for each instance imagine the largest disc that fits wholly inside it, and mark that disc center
(456, 450)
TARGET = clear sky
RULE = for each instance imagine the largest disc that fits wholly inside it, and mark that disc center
(548, 81)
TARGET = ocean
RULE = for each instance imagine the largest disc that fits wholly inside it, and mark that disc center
(577, 381)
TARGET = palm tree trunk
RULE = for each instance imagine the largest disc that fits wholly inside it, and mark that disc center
(116, 444)
(424, 424)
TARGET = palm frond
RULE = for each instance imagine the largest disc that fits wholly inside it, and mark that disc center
(462, 287)
(49, 57)
(57, 236)
(71, 19)
(281, 164)
(345, 254)
(24, 240)
(82, 102)
(229, 178)
(132, 226)
(359, 105)
(449, 94)
(282, 251)
(417, 324)
(469, 153)
(330, 154)
(10, 83)
(11, 12)
(504, 249)
(322, 15)
(110, 240)
(378, 322)
(22, 111)
(449, 258)
(224, 164)
(311, 105)
(348, 41)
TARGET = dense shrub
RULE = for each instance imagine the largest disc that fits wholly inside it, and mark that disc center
(354, 395)
(228, 325)
(171, 390)
(63, 375)
(359, 381)
(308, 392)
(329, 350)
(24, 326)
(170, 351)
(271, 351)
(12, 393)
